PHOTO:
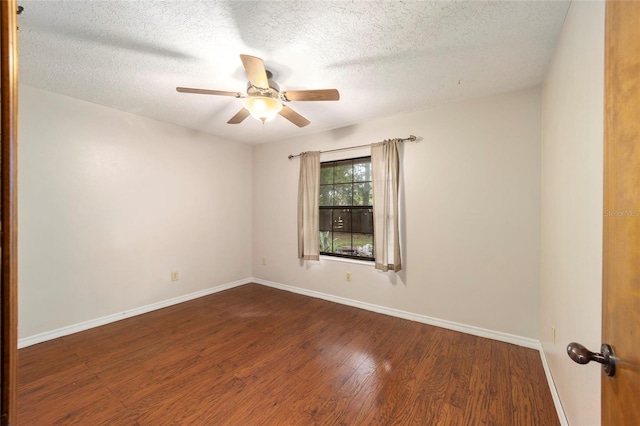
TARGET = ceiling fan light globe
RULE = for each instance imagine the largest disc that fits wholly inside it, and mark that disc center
(263, 108)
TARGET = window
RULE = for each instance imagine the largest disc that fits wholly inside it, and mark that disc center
(346, 209)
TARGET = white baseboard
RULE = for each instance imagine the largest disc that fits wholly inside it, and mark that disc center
(469, 329)
(552, 387)
(476, 331)
(64, 331)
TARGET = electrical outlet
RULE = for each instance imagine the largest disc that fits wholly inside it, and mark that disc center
(348, 277)
(264, 260)
(175, 275)
(553, 334)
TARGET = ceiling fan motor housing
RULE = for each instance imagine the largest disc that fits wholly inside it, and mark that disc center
(272, 92)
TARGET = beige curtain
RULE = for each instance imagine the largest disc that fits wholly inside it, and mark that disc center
(308, 206)
(385, 167)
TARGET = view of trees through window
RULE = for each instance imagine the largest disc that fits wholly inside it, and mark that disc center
(346, 208)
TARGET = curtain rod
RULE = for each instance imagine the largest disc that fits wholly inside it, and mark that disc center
(411, 138)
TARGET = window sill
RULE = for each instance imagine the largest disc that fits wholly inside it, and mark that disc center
(347, 260)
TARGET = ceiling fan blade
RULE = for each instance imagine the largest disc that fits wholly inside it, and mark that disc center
(208, 92)
(293, 116)
(312, 95)
(255, 71)
(239, 117)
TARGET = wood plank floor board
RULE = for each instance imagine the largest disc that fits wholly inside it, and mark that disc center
(538, 380)
(105, 411)
(30, 359)
(173, 384)
(477, 405)
(320, 374)
(268, 393)
(377, 400)
(397, 368)
(137, 380)
(526, 400)
(457, 392)
(432, 398)
(312, 390)
(500, 398)
(188, 403)
(254, 355)
(522, 391)
(63, 404)
(345, 402)
(51, 389)
(419, 400)
(268, 385)
(63, 377)
(184, 405)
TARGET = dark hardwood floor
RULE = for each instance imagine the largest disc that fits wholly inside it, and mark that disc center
(254, 355)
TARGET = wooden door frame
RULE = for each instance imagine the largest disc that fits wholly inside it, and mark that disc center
(8, 211)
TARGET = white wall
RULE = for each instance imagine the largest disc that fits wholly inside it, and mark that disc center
(572, 164)
(111, 202)
(471, 215)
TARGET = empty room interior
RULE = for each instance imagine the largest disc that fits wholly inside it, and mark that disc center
(176, 268)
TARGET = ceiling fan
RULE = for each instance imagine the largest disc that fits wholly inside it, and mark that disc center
(264, 100)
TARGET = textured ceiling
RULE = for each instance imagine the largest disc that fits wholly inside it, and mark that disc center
(384, 57)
